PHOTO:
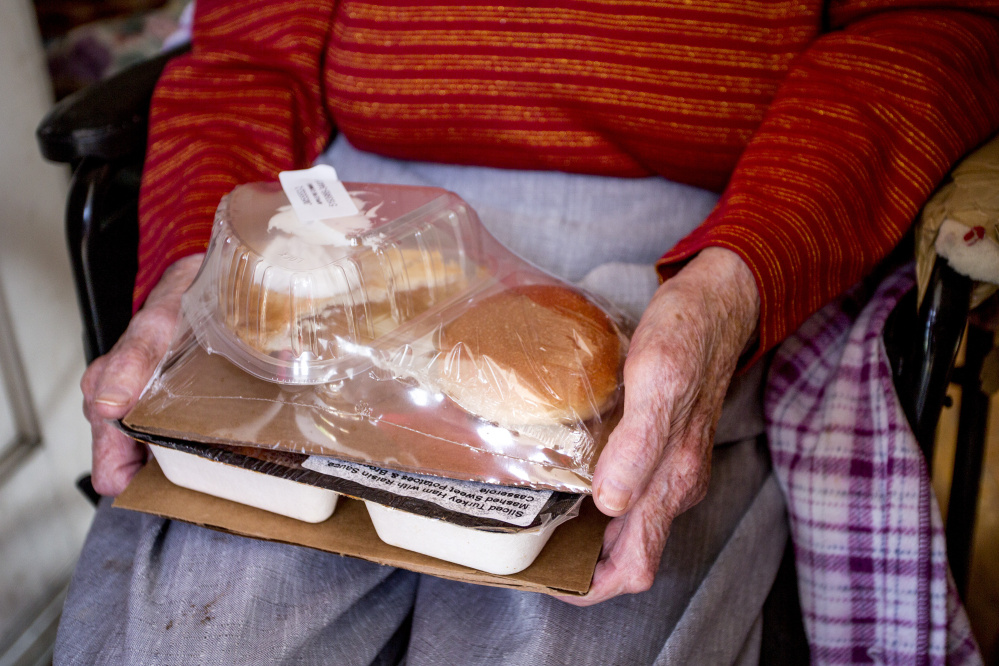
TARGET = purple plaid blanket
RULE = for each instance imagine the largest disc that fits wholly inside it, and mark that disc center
(868, 536)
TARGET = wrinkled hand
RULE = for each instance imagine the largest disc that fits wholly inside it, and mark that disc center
(112, 383)
(657, 462)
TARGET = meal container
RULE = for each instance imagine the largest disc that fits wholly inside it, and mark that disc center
(402, 340)
(404, 336)
(278, 482)
(296, 500)
(501, 553)
(307, 302)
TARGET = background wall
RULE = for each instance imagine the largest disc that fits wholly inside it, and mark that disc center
(43, 518)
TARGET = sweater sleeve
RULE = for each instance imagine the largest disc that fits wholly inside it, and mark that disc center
(866, 124)
(244, 104)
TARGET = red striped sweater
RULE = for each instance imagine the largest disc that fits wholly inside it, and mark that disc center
(825, 126)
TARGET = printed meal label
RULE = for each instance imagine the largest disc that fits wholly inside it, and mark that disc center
(517, 506)
(317, 193)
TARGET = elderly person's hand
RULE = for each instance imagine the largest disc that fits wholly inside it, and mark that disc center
(657, 461)
(112, 383)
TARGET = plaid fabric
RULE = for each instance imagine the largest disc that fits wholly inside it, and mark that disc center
(868, 536)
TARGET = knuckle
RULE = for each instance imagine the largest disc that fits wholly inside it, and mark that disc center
(151, 330)
(642, 581)
(146, 352)
(697, 492)
(691, 479)
(101, 485)
(686, 481)
(632, 463)
(137, 358)
(93, 372)
(636, 442)
(642, 457)
(655, 363)
(690, 459)
(154, 320)
(641, 577)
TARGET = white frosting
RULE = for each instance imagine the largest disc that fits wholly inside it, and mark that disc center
(326, 232)
(312, 241)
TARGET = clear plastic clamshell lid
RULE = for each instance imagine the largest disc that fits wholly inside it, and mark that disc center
(307, 302)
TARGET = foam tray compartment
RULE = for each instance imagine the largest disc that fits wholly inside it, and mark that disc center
(501, 553)
(263, 491)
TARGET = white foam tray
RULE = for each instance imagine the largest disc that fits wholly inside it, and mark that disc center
(270, 493)
(500, 553)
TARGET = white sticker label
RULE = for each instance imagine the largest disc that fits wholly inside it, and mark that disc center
(317, 193)
(517, 506)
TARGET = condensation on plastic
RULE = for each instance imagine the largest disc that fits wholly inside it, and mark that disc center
(350, 351)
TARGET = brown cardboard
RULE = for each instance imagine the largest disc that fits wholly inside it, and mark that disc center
(565, 566)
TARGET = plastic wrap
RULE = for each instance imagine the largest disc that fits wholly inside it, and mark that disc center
(307, 303)
(404, 336)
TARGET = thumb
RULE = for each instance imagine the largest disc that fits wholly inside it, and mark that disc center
(630, 458)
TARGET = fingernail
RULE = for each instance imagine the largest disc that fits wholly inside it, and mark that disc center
(613, 495)
(116, 397)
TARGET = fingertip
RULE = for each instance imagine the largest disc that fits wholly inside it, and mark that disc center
(613, 497)
(116, 480)
(112, 402)
(624, 468)
(116, 459)
(104, 483)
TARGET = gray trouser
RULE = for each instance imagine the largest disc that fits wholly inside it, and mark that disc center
(154, 591)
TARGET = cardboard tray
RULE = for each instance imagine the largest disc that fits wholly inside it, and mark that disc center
(564, 567)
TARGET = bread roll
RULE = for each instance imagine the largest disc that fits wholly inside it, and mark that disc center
(532, 355)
